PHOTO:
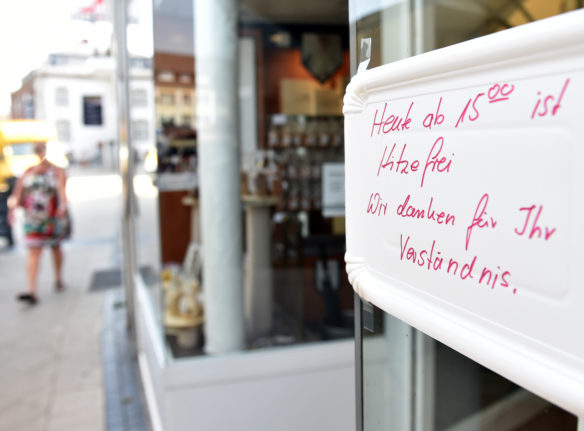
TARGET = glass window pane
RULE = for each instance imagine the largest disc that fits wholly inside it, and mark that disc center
(291, 75)
(410, 381)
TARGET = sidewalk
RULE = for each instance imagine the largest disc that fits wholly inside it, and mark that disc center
(67, 363)
(51, 375)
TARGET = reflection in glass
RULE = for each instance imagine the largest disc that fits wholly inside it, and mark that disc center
(410, 381)
(292, 74)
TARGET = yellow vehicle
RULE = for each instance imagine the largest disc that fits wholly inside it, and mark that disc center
(17, 139)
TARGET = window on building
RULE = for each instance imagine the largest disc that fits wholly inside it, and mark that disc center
(140, 130)
(63, 130)
(27, 106)
(165, 76)
(167, 98)
(186, 120)
(92, 111)
(187, 99)
(61, 96)
(138, 98)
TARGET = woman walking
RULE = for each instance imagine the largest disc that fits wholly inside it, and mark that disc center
(41, 192)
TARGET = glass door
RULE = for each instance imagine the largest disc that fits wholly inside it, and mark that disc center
(407, 380)
(413, 382)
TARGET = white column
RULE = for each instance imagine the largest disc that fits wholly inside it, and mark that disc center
(258, 272)
(215, 31)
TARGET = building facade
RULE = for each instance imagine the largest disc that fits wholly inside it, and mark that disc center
(77, 93)
(253, 334)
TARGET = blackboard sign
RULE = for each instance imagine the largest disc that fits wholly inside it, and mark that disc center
(465, 199)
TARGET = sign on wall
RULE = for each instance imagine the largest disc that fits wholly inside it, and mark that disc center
(333, 189)
(465, 199)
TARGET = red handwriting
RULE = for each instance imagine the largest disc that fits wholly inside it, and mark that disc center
(432, 259)
(434, 119)
(392, 123)
(480, 219)
(474, 114)
(500, 93)
(543, 109)
(401, 165)
(435, 162)
(495, 93)
(406, 210)
(530, 224)
(376, 205)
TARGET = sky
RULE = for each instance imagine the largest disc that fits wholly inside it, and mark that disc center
(29, 31)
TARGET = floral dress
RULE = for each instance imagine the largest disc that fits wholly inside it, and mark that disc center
(40, 202)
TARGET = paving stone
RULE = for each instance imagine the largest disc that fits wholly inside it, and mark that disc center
(54, 355)
(75, 422)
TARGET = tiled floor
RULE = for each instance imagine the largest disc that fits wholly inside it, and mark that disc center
(124, 408)
(67, 363)
(51, 373)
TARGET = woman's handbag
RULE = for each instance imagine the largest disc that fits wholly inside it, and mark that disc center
(63, 226)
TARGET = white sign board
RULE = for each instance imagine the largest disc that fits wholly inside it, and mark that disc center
(465, 200)
(333, 189)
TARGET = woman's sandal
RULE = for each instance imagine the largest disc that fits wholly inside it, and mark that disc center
(59, 286)
(28, 298)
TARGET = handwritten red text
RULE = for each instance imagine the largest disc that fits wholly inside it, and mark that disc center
(432, 259)
(405, 209)
(434, 119)
(435, 161)
(542, 107)
(391, 123)
(376, 205)
(495, 93)
(531, 225)
(400, 166)
(500, 93)
(480, 219)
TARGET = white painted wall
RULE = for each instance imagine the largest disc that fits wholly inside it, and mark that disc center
(151, 357)
(303, 387)
(84, 139)
(95, 77)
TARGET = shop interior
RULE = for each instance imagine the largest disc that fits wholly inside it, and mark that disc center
(294, 67)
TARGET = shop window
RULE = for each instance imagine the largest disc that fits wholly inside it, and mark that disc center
(291, 130)
(92, 111)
